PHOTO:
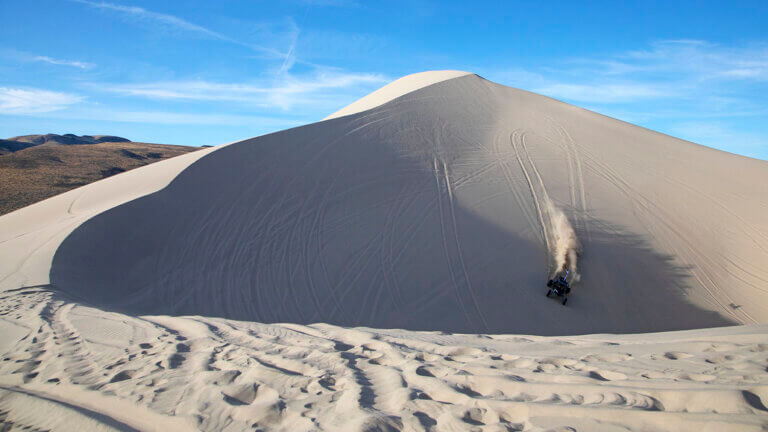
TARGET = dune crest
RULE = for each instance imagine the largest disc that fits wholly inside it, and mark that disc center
(395, 89)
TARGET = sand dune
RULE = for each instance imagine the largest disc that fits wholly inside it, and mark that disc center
(430, 212)
(210, 291)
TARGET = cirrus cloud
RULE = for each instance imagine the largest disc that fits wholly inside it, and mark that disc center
(605, 93)
(73, 63)
(32, 100)
(283, 92)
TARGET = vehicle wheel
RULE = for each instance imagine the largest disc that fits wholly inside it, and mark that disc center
(549, 292)
(565, 300)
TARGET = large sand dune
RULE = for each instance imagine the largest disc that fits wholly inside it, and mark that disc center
(429, 212)
(434, 204)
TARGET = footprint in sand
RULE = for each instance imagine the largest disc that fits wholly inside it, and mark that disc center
(721, 359)
(246, 394)
(225, 377)
(607, 358)
(522, 363)
(509, 357)
(677, 355)
(425, 357)
(559, 362)
(604, 375)
(545, 367)
(418, 394)
(715, 347)
(467, 390)
(463, 351)
(123, 376)
(424, 371)
(697, 377)
(474, 416)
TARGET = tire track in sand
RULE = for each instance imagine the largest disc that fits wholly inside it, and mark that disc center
(576, 177)
(539, 197)
(458, 271)
(470, 290)
(645, 209)
(510, 179)
(439, 190)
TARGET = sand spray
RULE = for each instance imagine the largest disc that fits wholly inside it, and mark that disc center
(565, 247)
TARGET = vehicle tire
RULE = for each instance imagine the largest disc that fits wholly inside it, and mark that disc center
(549, 292)
(565, 300)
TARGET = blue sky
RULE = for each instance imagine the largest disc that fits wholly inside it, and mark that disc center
(202, 72)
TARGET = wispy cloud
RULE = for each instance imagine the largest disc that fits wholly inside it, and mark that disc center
(144, 14)
(720, 134)
(27, 57)
(109, 114)
(173, 22)
(30, 101)
(164, 117)
(290, 57)
(697, 90)
(284, 92)
(666, 69)
(702, 60)
(280, 45)
(77, 64)
(605, 93)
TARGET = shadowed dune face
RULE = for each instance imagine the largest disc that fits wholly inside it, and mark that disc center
(422, 214)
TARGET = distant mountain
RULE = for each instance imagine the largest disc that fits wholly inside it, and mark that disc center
(9, 146)
(36, 167)
(17, 143)
(68, 139)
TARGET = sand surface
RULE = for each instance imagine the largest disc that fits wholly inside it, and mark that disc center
(65, 366)
(431, 212)
(144, 301)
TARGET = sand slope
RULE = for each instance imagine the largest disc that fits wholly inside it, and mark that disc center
(429, 213)
(65, 366)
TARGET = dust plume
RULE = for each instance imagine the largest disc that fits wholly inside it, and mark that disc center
(564, 244)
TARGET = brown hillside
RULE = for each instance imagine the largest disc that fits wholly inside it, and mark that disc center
(68, 139)
(36, 173)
